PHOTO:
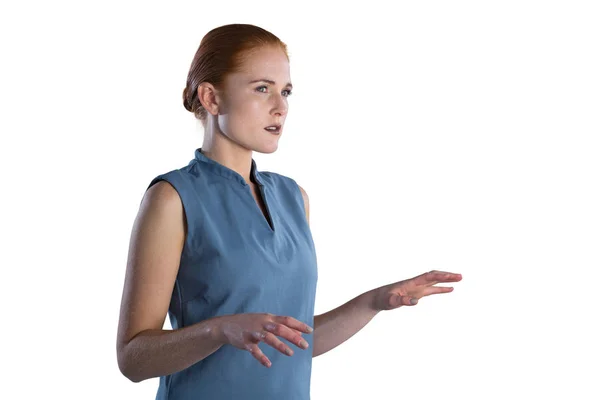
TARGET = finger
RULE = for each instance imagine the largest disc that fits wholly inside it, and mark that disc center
(271, 326)
(433, 277)
(437, 290)
(294, 323)
(445, 276)
(296, 331)
(258, 354)
(272, 340)
(290, 335)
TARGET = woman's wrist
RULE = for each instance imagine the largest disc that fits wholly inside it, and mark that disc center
(212, 329)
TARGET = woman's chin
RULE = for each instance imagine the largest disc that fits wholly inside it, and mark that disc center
(271, 149)
(268, 147)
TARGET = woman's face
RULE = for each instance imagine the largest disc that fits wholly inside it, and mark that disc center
(256, 98)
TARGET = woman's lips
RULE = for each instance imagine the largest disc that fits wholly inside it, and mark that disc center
(276, 131)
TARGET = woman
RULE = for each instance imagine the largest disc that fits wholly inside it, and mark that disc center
(227, 251)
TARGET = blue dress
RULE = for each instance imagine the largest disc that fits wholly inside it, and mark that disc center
(235, 260)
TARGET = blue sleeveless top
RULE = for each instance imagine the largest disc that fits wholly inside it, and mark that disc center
(235, 260)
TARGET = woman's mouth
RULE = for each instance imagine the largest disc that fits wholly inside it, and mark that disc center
(274, 129)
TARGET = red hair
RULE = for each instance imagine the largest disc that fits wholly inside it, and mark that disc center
(222, 51)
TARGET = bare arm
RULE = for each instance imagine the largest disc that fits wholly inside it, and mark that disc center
(144, 349)
(336, 326)
(340, 324)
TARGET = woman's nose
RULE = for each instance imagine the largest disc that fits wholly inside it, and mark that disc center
(281, 105)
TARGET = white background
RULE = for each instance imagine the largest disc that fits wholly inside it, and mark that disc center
(451, 135)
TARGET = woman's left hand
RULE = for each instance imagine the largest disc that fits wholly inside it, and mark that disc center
(409, 291)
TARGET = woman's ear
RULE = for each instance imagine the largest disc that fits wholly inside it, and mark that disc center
(207, 94)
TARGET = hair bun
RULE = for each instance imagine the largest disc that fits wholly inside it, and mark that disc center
(186, 101)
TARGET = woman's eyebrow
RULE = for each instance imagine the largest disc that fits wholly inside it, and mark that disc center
(270, 81)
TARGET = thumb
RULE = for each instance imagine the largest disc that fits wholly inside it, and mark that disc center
(396, 300)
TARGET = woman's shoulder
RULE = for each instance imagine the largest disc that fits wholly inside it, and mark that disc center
(177, 177)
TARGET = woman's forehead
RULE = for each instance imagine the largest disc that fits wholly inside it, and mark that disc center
(269, 64)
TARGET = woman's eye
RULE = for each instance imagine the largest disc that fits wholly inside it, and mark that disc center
(286, 92)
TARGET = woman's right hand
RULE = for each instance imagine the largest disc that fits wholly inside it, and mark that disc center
(245, 331)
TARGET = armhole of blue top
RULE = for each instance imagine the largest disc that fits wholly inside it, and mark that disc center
(300, 197)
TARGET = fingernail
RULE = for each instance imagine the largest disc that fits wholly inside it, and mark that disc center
(413, 301)
(310, 329)
(304, 344)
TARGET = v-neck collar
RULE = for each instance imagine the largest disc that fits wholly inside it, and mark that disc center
(226, 172)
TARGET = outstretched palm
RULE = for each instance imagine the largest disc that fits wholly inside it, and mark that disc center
(409, 291)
